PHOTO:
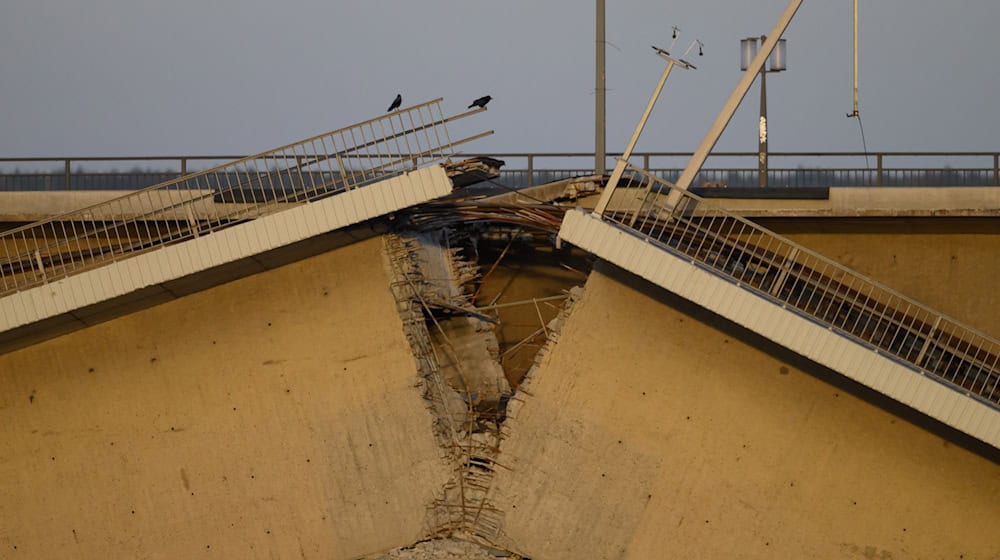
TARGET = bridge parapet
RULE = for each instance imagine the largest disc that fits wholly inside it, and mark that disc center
(733, 169)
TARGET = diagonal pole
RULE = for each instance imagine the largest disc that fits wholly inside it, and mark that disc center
(616, 175)
(708, 143)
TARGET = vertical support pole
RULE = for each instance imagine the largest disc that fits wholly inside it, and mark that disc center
(996, 170)
(645, 161)
(531, 170)
(40, 265)
(343, 171)
(783, 270)
(878, 175)
(642, 202)
(600, 157)
(191, 220)
(855, 59)
(762, 129)
(67, 173)
(184, 167)
(927, 342)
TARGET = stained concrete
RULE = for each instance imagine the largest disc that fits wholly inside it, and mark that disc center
(274, 416)
(643, 423)
(655, 431)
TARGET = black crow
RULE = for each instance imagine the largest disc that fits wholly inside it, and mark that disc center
(396, 102)
(481, 102)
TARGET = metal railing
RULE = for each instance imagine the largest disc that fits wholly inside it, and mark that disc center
(788, 169)
(216, 198)
(776, 268)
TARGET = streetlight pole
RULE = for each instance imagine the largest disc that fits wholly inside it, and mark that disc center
(855, 112)
(748, 49)
(762, 128)
(735, 98)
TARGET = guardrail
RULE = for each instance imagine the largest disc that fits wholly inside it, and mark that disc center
(808, 283)
(247, 188)
(791, 169)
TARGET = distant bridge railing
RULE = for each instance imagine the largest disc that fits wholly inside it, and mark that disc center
(789, 169)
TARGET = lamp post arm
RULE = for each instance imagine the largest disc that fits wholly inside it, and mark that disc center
(616, 175)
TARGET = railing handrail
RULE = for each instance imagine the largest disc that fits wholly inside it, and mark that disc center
(903, 316)
(715, 207)
(403, 140)
(876, 163)
(233, 164)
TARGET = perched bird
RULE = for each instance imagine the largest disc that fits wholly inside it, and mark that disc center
(396, 102)
(481, 102)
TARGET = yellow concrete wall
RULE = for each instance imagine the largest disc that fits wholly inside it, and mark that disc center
(649, 433)
(950, 264)
(277, 416)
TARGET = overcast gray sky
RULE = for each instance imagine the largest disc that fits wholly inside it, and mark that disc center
(147, 77)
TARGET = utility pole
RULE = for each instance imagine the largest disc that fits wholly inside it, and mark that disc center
(855, 113)
(762, 127)
(748, 49)
(599, 109)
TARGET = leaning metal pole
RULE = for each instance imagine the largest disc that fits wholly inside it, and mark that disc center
(708, 143)
(622, 162)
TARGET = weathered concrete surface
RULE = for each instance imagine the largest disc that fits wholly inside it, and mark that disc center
(878, 201)
(30, 206)
(276, 416)
(648, 432)
(843, 202)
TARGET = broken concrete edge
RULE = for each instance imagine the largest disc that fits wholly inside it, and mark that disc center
(401, 269)
(554, 329)
(462, 508)
(443, 549)
(456, 354)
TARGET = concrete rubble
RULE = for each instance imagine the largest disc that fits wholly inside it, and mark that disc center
(445, 549)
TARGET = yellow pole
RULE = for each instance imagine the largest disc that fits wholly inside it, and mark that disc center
(616, 175)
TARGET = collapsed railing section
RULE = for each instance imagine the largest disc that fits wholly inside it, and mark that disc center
(216, 198)
(815, 286)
